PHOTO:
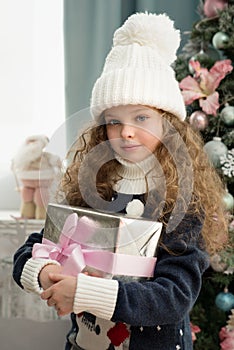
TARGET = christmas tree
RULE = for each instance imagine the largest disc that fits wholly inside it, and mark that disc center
(206, 75)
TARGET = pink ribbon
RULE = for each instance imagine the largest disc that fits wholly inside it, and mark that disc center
(74, 257)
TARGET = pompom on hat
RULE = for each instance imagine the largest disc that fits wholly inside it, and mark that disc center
(138, 68)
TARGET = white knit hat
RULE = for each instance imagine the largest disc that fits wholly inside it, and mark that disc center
(138, 68)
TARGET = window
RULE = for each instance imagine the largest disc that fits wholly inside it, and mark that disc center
(31, 71)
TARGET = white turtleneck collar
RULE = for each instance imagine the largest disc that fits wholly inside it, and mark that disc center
(137, 178)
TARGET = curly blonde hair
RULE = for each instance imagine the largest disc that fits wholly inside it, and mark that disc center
(187, 145)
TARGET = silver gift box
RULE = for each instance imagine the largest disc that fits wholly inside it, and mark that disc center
(117, 233)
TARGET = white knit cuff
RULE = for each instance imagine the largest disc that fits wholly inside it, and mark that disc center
(95, 295)
(30, 273)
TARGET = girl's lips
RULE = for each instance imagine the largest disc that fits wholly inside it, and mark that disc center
(130, 147)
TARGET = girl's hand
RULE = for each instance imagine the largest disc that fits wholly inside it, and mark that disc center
(61, 294)
(44, 278)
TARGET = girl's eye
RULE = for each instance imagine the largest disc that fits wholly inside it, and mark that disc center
(141, 118)
(113, 122)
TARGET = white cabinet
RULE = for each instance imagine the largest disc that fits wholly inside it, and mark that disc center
(14, 302)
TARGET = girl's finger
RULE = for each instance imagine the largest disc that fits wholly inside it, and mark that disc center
(56, 277)
(46, 294)
(51, 302)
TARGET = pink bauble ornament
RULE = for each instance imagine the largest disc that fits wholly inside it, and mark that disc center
(198, 120)
(211, 7)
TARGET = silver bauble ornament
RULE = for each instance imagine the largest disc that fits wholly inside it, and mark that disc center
(213, 53)
(220, 40)
(228, 201)
(200, 56)
(198, 120)
(215, 149)
(227, 115)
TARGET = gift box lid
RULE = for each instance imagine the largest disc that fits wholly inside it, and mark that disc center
(101, 230)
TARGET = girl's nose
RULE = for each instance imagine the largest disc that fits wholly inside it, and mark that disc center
(127, 131)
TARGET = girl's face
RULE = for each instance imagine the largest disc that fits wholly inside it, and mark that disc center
(134, 131)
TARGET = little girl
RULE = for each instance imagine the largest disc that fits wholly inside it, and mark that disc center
(138, 155)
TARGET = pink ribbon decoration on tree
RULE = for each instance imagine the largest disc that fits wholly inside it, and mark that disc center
(74, 257)
(203, 85)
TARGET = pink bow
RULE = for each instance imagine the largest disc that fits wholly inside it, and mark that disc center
(70, 253)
